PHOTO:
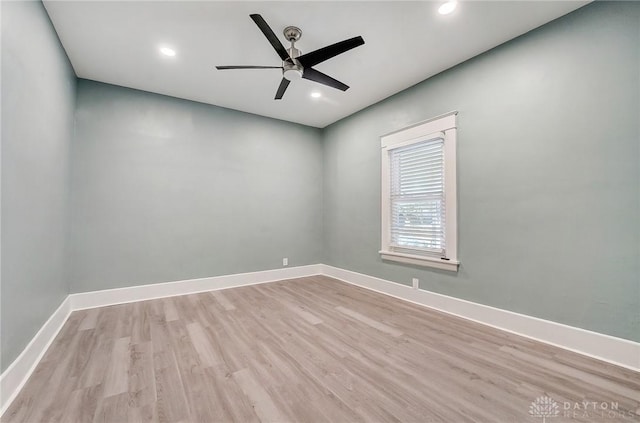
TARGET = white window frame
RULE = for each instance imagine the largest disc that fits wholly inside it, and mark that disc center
(443, 126)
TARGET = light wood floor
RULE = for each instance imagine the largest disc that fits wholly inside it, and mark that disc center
(306, 350)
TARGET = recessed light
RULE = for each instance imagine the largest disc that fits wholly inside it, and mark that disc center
(447, 7)
(168, 51)
(316, 94)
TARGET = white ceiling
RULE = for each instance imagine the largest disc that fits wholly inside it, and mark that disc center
(406, 42)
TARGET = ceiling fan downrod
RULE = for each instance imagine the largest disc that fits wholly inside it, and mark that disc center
(292, 70)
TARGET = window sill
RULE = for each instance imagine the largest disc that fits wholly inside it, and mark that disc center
(451, 265)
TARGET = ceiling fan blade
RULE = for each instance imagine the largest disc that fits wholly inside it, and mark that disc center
(325, 53)
(268, 32)
(317, 76)
(282, 88)
(247, 67)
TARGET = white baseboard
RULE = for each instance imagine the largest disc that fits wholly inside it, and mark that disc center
(15, 376)
(603, 347)
(130, 294)
(607, 348)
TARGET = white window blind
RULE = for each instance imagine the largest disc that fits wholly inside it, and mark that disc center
(418, 194)
(417, 198)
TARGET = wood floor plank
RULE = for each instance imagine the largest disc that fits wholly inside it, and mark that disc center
(171, 404)
(170, 311)
(234, 402)
(260, 399)
(309, 317)
(144, 414)
(90, 319)
(141, 325)
(305, 350)
(96, 368)
(201, 343)
(82, 404)
(107, 322)
(141, 383)
(202, 401)
(222, 300)
(371, 322)
(117, 377)
(80, 356)
(112, 409)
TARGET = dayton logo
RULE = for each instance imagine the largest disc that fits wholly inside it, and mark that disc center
(544, 407)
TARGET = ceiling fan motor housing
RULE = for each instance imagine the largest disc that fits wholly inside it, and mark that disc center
(293, 73)
(292, 70)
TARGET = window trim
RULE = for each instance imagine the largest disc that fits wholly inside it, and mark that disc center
(445, 127)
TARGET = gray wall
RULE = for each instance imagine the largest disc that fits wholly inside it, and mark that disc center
(38, 94)
(167, 189)
(548, 174)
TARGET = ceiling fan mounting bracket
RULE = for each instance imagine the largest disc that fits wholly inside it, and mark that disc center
(292, 33)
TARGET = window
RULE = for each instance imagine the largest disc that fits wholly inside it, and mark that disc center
(419, 194)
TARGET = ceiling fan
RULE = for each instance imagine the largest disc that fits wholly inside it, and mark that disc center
(296, 65)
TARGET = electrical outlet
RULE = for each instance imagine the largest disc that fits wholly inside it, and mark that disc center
(415, 283)
(285, 261)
